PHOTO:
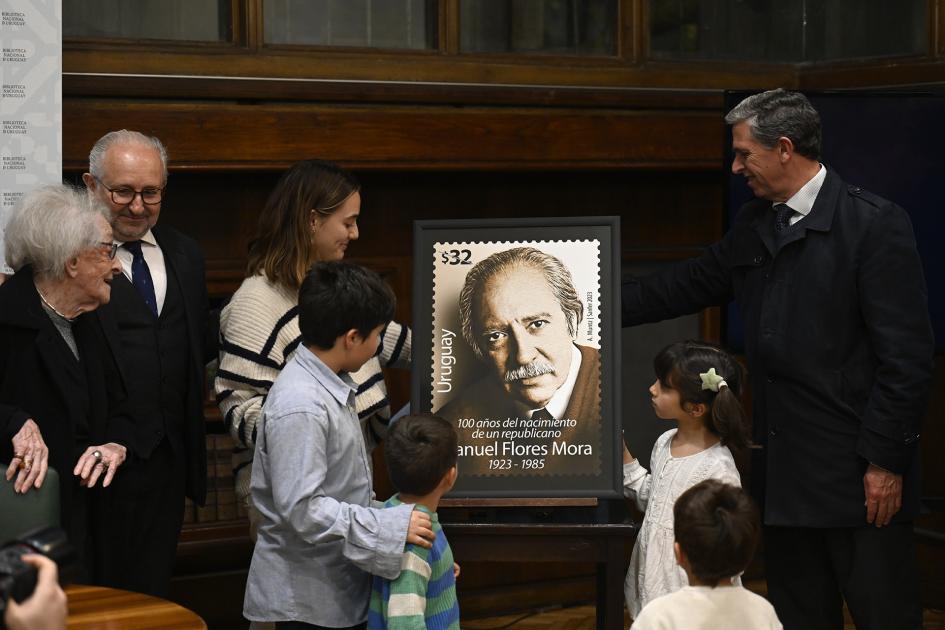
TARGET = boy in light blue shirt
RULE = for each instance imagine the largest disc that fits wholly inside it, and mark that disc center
(321, 533)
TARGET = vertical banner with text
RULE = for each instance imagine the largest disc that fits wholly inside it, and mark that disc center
(30, 100)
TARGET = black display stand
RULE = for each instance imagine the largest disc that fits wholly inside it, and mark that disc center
(547, 530)
(553, 542)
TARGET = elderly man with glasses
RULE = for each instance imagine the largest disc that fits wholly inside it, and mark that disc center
(157, 324)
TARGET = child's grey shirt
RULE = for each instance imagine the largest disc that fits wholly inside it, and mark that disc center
(319, 537)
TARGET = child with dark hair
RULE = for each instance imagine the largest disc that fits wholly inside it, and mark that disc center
(421, 451)
(697, 385)
(321, 534)
(716, 531)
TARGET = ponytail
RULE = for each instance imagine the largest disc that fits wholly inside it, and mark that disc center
(728, 419)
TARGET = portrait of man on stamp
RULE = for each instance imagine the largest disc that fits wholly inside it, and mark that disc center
(534, 404)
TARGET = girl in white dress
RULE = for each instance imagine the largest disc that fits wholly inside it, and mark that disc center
(697, 385)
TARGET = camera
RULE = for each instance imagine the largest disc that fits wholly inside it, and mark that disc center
(18, 579)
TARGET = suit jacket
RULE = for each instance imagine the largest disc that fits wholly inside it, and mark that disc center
(74, 403)
(182, 258)
(486, 398)
(838, 340)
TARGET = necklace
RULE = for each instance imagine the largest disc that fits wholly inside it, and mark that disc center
(51, 307)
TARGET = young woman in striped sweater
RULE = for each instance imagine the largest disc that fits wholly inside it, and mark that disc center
(311, 215)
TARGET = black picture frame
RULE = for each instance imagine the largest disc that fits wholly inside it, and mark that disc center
(500, 446)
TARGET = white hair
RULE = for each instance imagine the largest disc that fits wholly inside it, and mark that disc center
(49, 226)
(123, 136)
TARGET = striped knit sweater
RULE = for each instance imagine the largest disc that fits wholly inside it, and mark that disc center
(259, 331)
(423, 596)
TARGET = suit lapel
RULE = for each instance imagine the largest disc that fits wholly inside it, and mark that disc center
(174, 259)
(177, 263)
(106, 317)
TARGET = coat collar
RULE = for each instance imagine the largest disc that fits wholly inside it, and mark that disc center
(821, 215)
(820, 218)
(17, 292)
(20, 307)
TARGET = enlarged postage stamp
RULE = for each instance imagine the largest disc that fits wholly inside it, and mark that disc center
(516, 355)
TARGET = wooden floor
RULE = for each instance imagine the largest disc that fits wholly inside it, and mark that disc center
(583, 618)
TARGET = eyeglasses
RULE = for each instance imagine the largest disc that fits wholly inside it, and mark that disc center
(123, 195)
(112, 249)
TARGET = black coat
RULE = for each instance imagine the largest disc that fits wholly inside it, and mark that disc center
(838, 340)
(74, 403)
(182, 258)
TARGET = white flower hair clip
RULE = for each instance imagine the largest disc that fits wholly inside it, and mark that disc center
(711, 380)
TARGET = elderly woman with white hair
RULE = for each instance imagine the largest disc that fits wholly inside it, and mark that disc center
(60, 390)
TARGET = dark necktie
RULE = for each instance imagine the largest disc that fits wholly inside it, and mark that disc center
(141, 275)
(782, 216)
(542, 414)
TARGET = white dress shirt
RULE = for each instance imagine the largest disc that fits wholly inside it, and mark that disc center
(803, 200)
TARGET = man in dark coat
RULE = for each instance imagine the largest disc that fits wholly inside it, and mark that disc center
(829, 285)
(157, 322)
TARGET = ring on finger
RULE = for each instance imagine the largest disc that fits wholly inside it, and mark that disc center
(97, 455)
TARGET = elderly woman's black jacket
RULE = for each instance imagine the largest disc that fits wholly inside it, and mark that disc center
(75, 403)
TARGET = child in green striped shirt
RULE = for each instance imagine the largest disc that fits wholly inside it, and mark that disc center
(420, 450)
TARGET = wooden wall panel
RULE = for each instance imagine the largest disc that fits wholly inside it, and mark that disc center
(664, 214)
(221, 136)
(195, 88)
(136, 58)
(888, 74)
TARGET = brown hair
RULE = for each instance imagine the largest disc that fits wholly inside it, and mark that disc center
(282, 248)
(420, 449)
(716, 526)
